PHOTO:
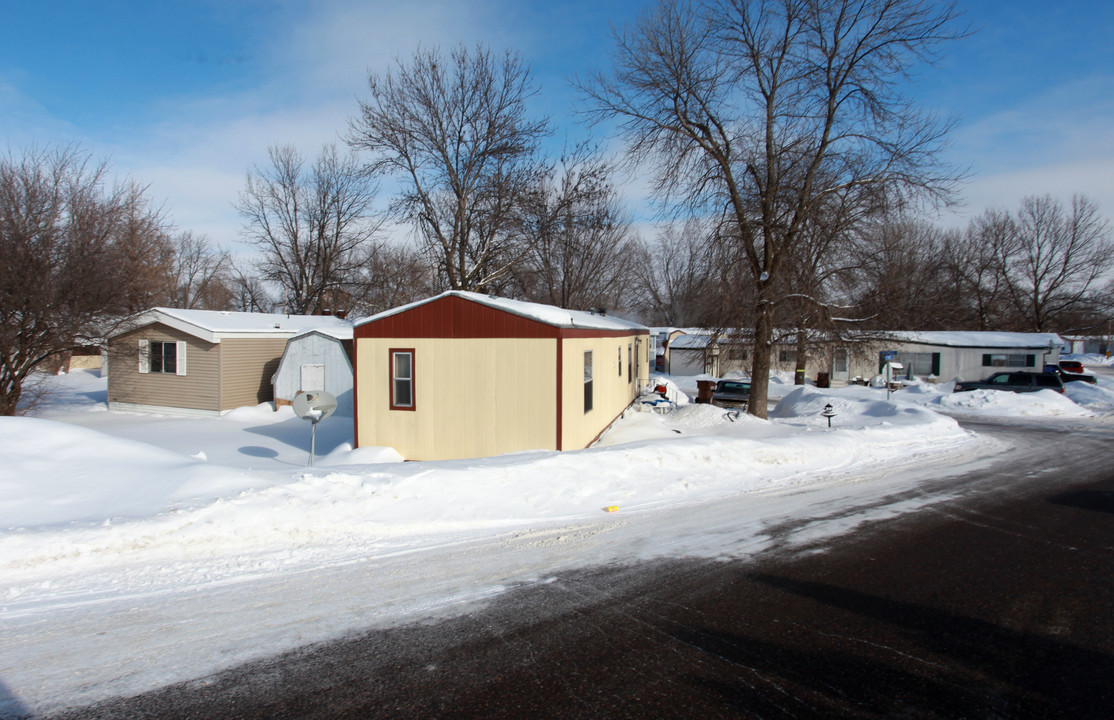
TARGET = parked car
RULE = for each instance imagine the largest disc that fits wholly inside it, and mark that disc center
(1067, 376)
(1072, 366)
(731, 394)
(1073, 371)
(1014, 382)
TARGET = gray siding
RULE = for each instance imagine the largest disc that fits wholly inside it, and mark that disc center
(197, 390)
(247, 366)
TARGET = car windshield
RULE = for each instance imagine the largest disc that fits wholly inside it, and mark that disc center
(734, 387)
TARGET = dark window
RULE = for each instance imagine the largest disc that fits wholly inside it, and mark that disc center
(164, 357)
(1008, 360)
(588, 381)
(402, 379)
(630, 362)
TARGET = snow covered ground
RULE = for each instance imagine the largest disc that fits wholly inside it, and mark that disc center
(151, 527)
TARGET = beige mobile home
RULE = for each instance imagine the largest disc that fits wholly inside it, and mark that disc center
(466, 375)
(199, 361)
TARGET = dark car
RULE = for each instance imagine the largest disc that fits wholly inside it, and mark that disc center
(731, 394)
(1073, 371)
(1071, 376)
(1014, 382)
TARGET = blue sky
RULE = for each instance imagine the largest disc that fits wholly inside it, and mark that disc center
(187, 96)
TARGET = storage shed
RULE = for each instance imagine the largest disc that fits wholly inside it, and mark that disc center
(203, 362)
(467, 375)
(317, 360)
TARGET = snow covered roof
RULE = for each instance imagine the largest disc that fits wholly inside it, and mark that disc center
(693, 340)
(213, 325)
(339, 332)
(979, 339)
(547, 314)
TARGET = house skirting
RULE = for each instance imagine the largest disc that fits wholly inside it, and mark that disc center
(163, 410)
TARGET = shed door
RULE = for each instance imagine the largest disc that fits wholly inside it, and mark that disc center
(313, 378)
(841, 370)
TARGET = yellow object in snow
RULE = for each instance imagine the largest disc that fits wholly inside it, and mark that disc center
(612, 508)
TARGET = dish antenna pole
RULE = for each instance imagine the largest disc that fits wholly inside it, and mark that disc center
(314, 406)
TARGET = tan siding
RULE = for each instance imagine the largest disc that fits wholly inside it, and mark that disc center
(197, 390)
(247, 366)
(473, 397)
(611, 392)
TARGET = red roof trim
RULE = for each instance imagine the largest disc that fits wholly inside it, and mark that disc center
(457, 317)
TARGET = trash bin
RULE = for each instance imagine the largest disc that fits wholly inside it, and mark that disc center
(704, 390)
(823, 380)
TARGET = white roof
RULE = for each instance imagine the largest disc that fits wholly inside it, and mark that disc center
(960, 339)
(213, 325)
(547, 314)
(978, 339)
(694, 340)
(339, 332)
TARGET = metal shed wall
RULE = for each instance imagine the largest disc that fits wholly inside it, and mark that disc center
(315, 349)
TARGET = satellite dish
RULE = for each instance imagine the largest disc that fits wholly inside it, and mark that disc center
(314, 406)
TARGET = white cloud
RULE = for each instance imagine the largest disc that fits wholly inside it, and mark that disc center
(1058, 142)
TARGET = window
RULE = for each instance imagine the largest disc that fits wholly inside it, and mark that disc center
(630, 362)
(1008, 360)
(620, 363)
(922, 364)
(785, 356)
(402, 379)
(163, 358)
(588, 381)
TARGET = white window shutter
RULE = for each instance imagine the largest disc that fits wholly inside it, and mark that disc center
(144, 356)
(181, 352)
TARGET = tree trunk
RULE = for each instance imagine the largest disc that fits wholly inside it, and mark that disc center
(802, 354)
(760, 367)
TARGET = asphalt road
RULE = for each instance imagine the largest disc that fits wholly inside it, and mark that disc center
(993, 601)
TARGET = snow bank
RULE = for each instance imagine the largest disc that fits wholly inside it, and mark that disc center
(56, 474)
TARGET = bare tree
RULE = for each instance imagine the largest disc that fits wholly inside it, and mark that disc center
(456, 133)
(394, 275)
(902, 276)
(577, 239)
(674, 274)
(201, 274)
(249, 293)
(976, 261)
(144, 250)
(68, 244)
(313, 226)
(1061, 257)
(766, 109)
